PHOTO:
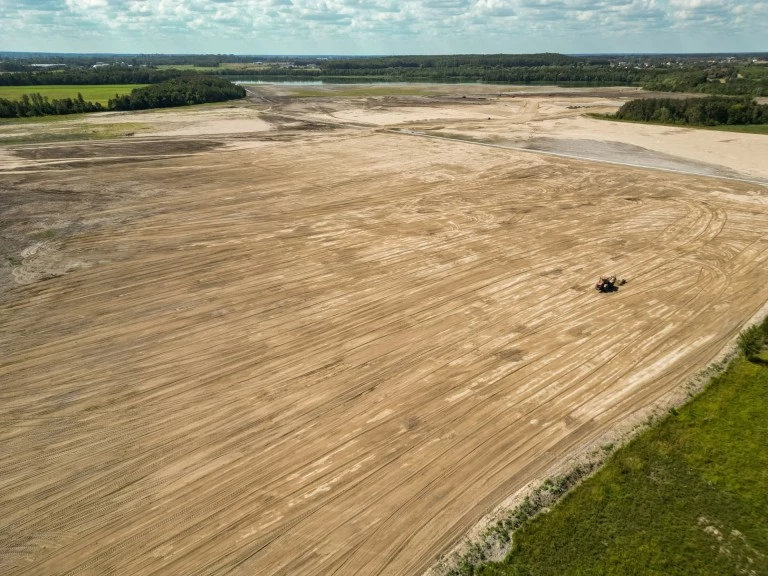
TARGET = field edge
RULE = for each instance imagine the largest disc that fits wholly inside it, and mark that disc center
(490, 540)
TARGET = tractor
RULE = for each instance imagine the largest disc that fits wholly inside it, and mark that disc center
(609, 284)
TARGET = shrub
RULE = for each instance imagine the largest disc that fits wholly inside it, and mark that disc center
(751, 340)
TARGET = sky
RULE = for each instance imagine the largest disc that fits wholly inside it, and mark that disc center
(383, 26)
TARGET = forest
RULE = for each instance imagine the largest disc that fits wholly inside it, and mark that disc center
(105, 75)
(656, 73)
(178, 92)
(708, 111)
(174, 92)
(652, 73)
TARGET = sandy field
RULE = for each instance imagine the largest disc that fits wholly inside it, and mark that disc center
(555, 122)
(329, 343)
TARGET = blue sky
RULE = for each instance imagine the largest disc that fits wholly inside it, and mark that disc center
(383, 26)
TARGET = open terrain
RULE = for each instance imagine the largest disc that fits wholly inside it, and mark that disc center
(305, 336)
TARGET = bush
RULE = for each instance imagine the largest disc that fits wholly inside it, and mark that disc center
(709, 111)
(751, 340)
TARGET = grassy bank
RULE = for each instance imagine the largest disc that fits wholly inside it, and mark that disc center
(742, 128)
(91, 93)
(687, 497)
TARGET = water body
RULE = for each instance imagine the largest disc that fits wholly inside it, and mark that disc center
(248, 81)
(288, 81)
(292, 81)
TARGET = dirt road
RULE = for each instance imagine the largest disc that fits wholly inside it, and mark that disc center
(331, 352)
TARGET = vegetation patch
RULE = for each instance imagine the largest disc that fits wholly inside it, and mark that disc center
(686, 74)
(90, 76)
(179, 92)
(688, 496)
(710, 111)
(40, 120)
(78, 131)
(170, 93)
(100, 94)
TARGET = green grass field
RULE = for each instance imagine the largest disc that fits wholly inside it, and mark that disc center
(687, 497)
(92, 93)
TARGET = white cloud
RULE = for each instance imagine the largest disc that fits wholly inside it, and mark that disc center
(380, 26)
(84, 5)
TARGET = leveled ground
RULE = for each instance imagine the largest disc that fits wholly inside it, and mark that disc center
(316, 348)
(101, 93)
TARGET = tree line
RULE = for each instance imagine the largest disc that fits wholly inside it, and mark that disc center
(657, 73)
(174, 92)
(16, 61)
(578, 72)
(701, 77)
(707, 111)
(477, 61)
(729, 80)
(555, 75)
(178, 92)
(90, 76)
(38, 105)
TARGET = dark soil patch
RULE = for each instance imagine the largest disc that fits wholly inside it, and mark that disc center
(121, 148)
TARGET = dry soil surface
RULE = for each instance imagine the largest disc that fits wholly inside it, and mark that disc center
(322, 349)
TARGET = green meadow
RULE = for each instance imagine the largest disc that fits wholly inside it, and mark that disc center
(92, 93)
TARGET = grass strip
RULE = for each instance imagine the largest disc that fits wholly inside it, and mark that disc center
(100, 93)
